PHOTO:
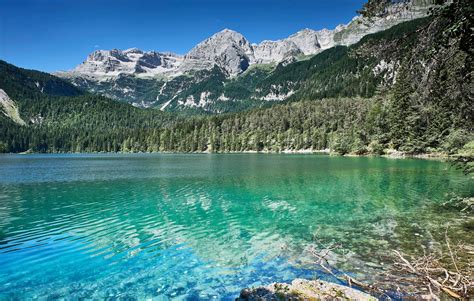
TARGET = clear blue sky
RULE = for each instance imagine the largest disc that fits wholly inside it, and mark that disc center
(51, 35)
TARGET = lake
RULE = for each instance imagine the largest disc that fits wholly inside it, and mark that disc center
(201, 226)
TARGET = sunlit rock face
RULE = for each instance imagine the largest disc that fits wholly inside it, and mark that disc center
(232, 52)
(173, 81)
(131, 61)
(227, 49)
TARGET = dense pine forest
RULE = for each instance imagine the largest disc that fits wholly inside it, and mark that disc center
(425, 106)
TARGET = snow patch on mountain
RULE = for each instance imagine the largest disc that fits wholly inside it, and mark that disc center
(38, 85)
(163, 107)
(204, 98)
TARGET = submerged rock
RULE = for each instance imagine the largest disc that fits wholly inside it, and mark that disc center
(301, 289)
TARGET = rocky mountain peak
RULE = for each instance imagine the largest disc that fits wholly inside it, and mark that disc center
(218, 42)
(233, 53)
(227, 49)
(133, 50)
(131, 61)
(227, 31)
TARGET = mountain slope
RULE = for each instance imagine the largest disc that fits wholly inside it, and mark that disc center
(9, 108)
(356, 70)
(41, 112)
(141, 78)
(342, 71)
(422, 104)
(426, 105)
(19, 82)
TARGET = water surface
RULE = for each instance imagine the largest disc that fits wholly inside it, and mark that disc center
(204, 226)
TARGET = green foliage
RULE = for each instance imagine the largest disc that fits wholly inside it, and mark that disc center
(344, 71)
(456, 140)
(464, 159)
(22, 83)
(80, 124)
(375, 147)
(340, 103)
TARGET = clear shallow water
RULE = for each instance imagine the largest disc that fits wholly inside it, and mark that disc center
(204, 226)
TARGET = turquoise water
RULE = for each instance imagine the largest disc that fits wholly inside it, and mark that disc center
(204, 226)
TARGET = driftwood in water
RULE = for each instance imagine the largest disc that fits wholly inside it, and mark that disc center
(436, 274)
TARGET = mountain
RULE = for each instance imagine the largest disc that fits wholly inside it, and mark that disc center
(130, 61)
(408, 89)
(44, 113)
(22, 83)
(156, 79)
(227, 49)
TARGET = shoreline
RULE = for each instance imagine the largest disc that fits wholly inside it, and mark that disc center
(390, 154)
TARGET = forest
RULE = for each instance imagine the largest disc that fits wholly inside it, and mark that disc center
(340, 106)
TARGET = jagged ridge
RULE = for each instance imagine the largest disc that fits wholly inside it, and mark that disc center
(159, 79)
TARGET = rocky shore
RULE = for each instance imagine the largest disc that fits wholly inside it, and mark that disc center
(301, 289)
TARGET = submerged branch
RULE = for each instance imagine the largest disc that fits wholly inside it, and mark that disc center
(438, 275)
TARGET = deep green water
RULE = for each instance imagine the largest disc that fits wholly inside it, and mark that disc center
(203, 226)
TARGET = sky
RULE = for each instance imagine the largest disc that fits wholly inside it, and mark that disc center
(53, 35)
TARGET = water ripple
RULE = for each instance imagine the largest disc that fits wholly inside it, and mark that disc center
(200, 227)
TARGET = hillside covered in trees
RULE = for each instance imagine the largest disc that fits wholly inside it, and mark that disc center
(419, 100)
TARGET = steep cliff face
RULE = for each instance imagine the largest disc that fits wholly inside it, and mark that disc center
(131, 61)
(227, 49)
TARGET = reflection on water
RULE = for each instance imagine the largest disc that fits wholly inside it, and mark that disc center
(197, 226)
